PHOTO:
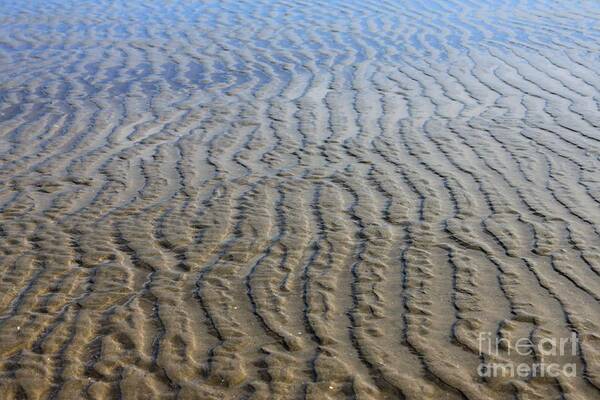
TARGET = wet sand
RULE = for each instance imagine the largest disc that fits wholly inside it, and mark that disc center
(296, 199)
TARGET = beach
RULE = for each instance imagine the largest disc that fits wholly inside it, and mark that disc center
(299, 199)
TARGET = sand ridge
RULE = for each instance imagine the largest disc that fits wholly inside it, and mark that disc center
(296, 199)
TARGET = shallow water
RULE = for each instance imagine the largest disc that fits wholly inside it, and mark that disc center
(298, 199)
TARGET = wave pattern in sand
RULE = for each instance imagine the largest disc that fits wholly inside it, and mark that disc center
(295, 199)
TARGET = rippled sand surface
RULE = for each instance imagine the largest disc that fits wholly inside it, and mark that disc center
(296, 199)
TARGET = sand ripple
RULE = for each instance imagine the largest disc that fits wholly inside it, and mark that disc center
(296, 199)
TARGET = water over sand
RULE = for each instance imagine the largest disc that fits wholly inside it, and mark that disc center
(296, 199)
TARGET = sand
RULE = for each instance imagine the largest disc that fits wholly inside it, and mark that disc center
(296, 199)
